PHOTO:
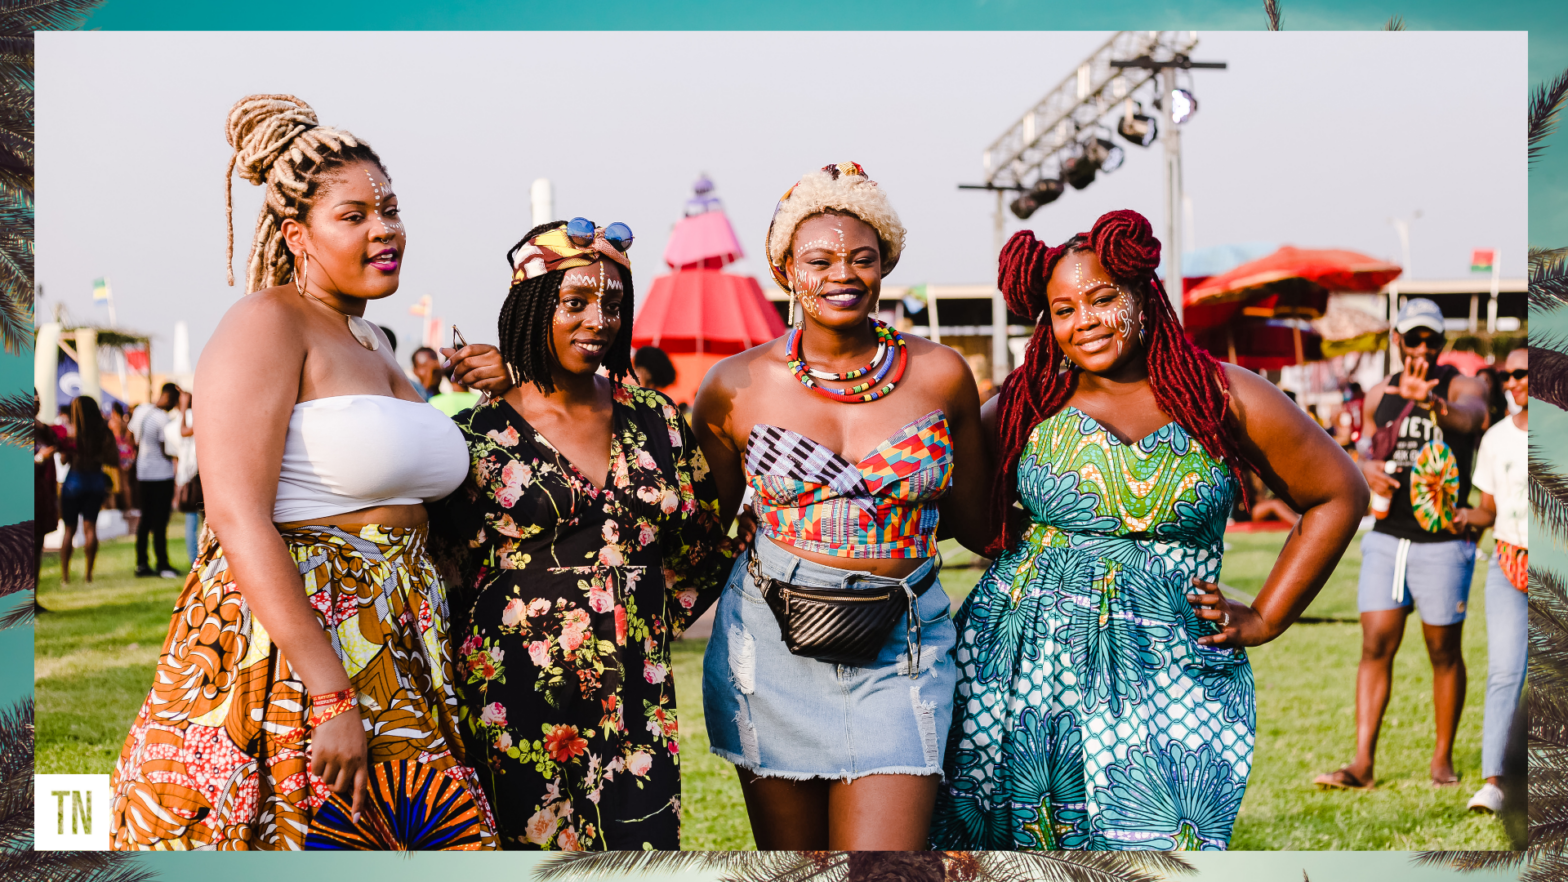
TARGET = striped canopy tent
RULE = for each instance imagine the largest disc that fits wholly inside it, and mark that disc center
(699, 314)
(1257, 314)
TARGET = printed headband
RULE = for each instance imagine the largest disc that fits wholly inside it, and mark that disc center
(834, 170)
(554, 250)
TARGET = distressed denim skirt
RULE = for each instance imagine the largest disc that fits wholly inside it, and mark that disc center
(781, 715)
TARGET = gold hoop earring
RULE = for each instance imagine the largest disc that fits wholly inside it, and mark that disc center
(792, 298)
(511, 371)
(304, 273)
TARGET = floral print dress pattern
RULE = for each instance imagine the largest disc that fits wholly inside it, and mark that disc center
(1087, 715)
(570, 598)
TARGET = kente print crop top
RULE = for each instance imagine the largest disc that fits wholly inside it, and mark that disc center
(884, 506)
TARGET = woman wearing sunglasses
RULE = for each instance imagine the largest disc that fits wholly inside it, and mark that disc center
(593, 540)
(1421, 553)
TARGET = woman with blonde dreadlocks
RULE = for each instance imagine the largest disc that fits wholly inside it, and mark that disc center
(304, 695)
(1104, 699)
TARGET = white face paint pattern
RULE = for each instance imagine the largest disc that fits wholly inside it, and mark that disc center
(596, 278)
(1116, 315)
(387, 228)
(809, 288)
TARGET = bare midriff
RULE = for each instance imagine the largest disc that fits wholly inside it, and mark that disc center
(892, 567)
(381, 515)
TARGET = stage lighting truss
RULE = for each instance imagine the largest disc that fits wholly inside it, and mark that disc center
(1089, 98)
(1183, 105)
(1044, 192)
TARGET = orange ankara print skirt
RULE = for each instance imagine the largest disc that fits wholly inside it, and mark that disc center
(214, 759)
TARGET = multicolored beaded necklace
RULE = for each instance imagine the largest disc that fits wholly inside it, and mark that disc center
(890, 349)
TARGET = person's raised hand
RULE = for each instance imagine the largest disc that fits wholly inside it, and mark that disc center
(1413, 384)
(478, 366)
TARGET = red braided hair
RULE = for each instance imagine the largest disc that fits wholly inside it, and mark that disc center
(1187, 382)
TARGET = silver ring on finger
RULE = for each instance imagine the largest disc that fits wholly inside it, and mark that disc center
(1225, 622)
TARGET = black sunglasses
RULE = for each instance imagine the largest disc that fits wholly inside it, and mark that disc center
(1517, 374)
(1419, 336)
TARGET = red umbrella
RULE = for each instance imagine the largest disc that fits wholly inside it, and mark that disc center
(1284, 270)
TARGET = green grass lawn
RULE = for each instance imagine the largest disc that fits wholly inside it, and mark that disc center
(96, 650)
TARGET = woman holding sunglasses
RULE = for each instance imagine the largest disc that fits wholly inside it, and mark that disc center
(1421, 552)
(593, 539)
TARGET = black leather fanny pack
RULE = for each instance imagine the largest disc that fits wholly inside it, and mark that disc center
(842, 627)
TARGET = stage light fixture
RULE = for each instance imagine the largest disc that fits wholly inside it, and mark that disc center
(1046, 190)
(1183, 105)
(1138, 128)
(1114, 155)
(1079, 170)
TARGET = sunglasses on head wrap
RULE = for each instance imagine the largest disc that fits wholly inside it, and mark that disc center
(579, 243)
(582, 231)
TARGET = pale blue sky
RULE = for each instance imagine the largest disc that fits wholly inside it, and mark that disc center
(1313, 139)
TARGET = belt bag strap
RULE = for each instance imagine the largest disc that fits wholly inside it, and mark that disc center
(841, 626)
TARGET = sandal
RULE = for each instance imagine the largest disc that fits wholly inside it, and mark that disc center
(1341, 779)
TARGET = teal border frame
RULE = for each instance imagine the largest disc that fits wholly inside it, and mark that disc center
(1546, 21)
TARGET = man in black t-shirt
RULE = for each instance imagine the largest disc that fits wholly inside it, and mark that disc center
(1408, 559)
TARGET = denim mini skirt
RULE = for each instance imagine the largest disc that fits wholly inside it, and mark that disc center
(781, 715)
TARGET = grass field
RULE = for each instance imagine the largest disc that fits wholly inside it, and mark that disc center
(96, 650)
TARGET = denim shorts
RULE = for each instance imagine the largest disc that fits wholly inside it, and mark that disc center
(781, 715)
(1435, 577)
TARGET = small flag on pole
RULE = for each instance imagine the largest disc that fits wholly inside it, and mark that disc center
(1481, 260)
(101, 290)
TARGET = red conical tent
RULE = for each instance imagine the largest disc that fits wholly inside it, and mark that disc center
(699, 314)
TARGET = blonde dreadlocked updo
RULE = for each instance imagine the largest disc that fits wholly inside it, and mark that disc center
(278, 143)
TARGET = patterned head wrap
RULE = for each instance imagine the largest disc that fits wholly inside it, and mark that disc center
(553, 250)
(842, 187)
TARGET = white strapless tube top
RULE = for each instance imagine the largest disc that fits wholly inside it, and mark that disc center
(350, 452)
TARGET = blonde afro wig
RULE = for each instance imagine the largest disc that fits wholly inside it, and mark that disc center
(842, 187)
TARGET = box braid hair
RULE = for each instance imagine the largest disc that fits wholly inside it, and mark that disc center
(1187, 382)
(527, 320)
(278, 143)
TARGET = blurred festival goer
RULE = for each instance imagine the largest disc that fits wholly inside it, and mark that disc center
(1420, 552)
(1501, 468)
(155, 481)
(856, 442)
(1106, 701)
(90, 452)
(427, 372)
(320, 713)
(181, 445)
(125, 486)
(456, 401)
(619, 495)
(46, 491)
(653, 368)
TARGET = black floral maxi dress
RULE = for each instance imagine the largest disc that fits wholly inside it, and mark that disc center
(569, 598)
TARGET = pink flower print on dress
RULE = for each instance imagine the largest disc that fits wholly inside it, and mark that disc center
(541, 827)
(507, 438)
(611, 531)
(516, 473)
(654, 673)
(610, 556)
(675, 437)
(600, 599)
(539, 651)
(620, 625)
(504, 743)
(470, 646)
(639, 763)
(647, 494)
(493, 714)
(645, 460)
(687, 598)
(669, 501)
(507, 496)
(571, 638)
(538, 606)
(646, 535)
(514, 612)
